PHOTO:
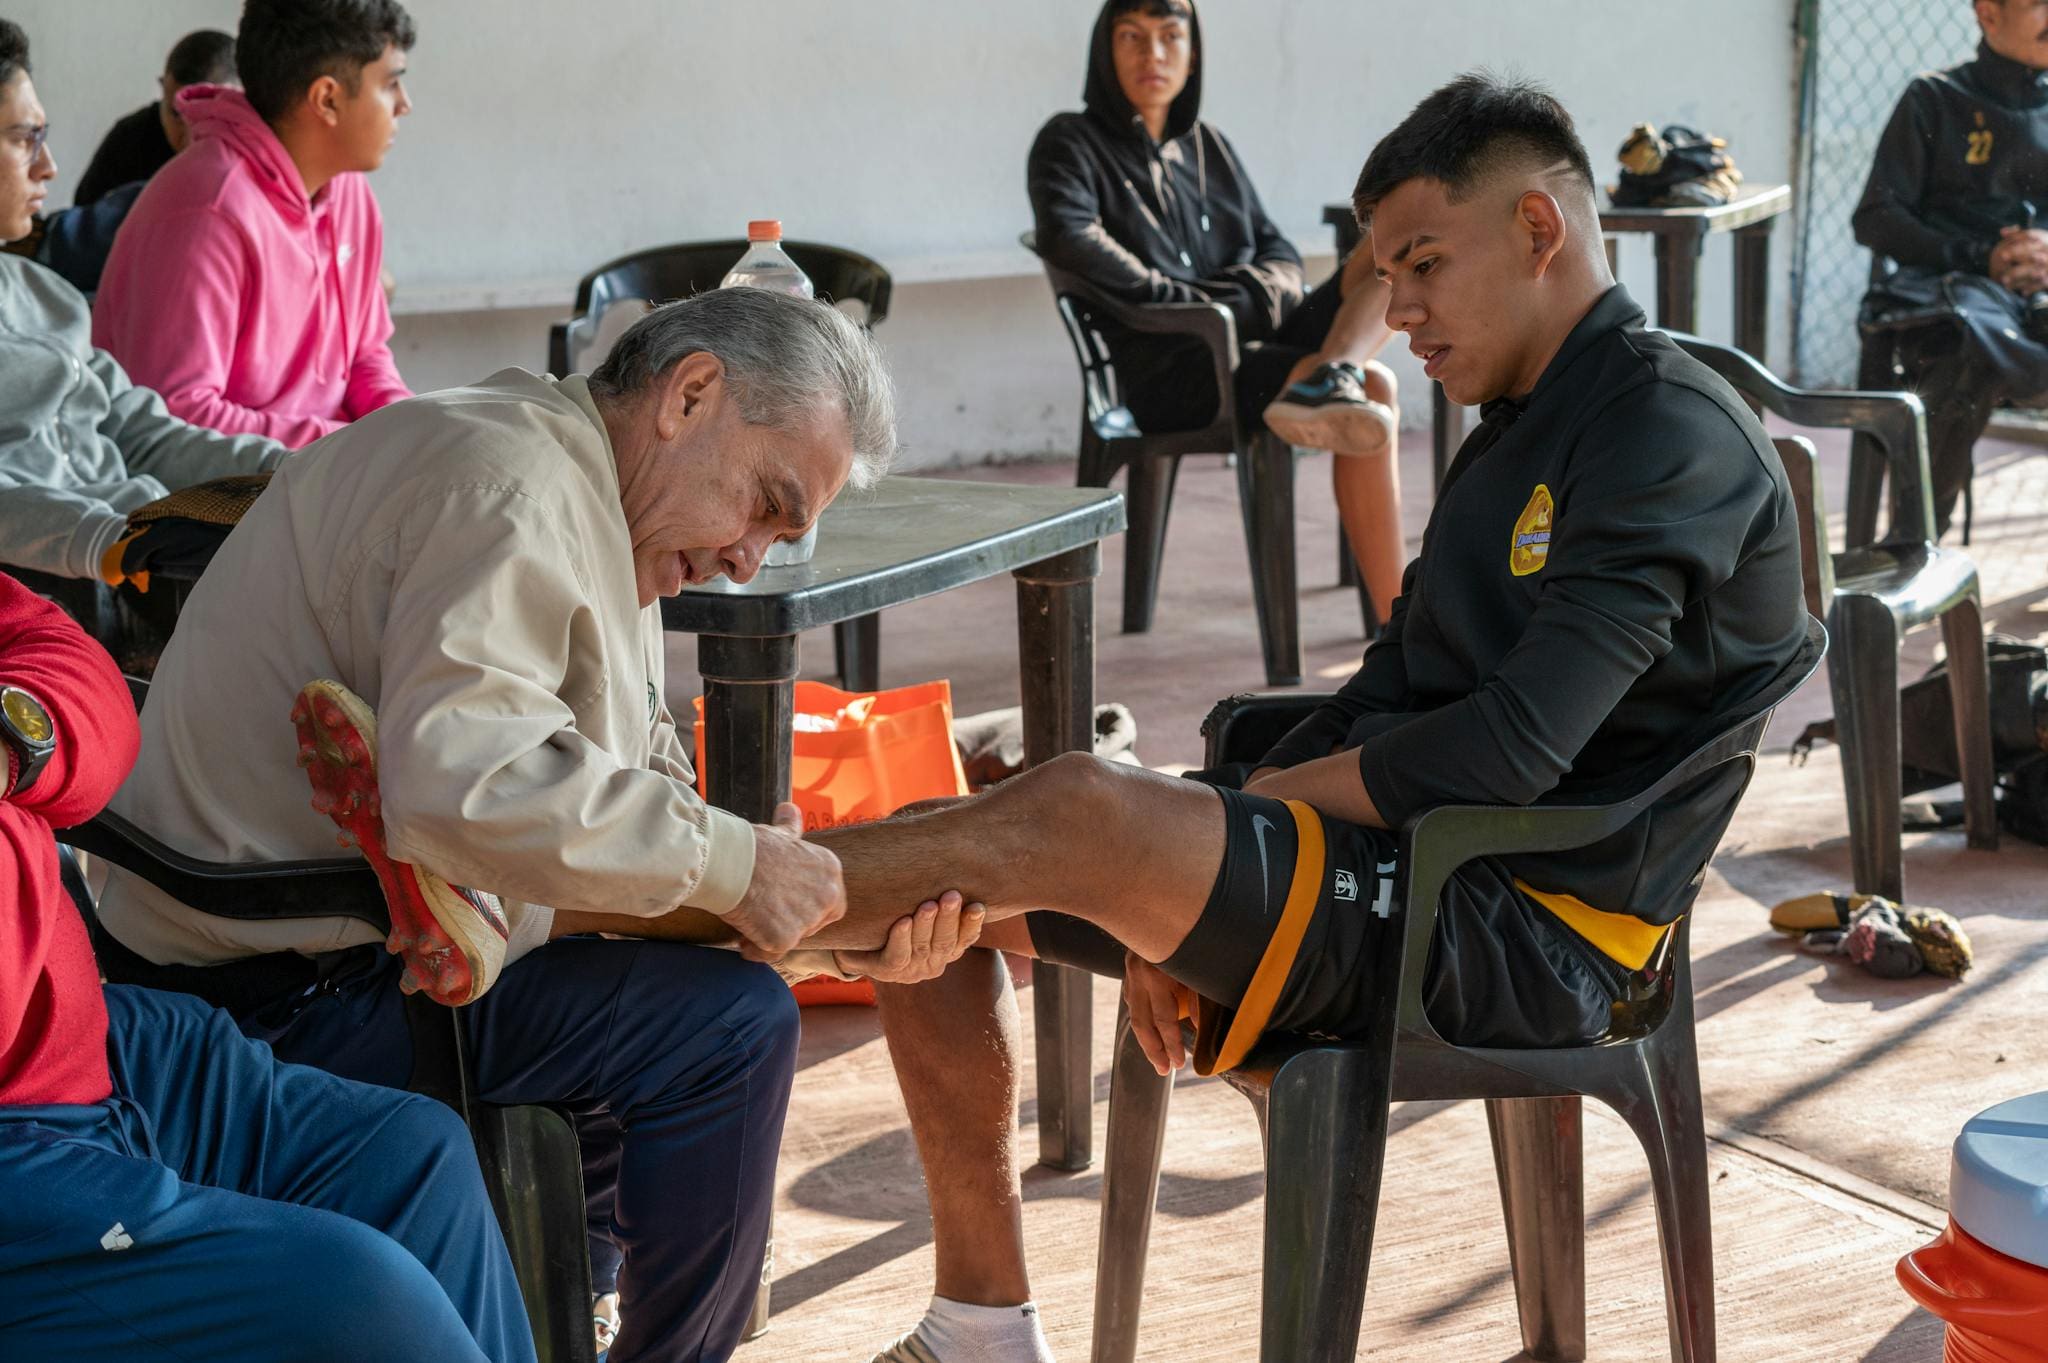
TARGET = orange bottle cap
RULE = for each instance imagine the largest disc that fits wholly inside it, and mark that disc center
(764, 229)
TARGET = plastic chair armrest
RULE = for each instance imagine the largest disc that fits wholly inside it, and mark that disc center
(338, 887)
(1897, 421)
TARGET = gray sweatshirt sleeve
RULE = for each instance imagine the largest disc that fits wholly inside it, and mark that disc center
(173, 451)
(81, 446)
(55, 530)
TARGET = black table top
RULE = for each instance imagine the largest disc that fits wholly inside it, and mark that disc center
(904, 539)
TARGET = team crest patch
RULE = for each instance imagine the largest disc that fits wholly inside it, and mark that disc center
(1529, 550)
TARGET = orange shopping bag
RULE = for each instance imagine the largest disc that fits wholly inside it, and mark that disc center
(859, 756)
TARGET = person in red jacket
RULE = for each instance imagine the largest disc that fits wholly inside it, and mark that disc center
(166, 1186)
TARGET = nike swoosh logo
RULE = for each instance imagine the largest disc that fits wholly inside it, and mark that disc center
(1261, 825)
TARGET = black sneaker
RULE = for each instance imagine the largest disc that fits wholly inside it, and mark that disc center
(1327, 409)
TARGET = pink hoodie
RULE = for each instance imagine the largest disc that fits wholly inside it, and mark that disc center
(246, 305)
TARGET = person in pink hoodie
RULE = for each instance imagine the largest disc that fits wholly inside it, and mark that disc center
(245, 286)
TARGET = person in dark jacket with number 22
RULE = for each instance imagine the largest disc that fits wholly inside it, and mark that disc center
(1956, 214)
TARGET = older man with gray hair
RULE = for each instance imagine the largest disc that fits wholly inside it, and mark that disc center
(474, 573)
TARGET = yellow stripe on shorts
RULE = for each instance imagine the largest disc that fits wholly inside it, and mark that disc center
(1262, 995)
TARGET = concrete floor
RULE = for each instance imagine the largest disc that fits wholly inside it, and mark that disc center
(1832, 1096)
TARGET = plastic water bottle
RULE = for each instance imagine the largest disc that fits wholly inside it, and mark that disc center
(765, 265)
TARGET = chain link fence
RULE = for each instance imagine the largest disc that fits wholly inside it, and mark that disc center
(1858, 56)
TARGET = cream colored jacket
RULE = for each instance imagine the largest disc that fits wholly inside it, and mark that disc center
(461, 562)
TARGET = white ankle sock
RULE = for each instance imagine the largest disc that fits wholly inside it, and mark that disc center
(957, 1330)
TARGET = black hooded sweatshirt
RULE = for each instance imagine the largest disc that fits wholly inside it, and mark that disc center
(1173, 221)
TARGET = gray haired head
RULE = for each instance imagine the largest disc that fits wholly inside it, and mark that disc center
(783, 356)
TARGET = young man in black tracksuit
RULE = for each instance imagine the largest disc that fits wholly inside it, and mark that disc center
(1610, 574)
(1151, 205)
(1956, 215)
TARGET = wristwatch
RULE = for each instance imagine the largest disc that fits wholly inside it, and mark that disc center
(28, 732)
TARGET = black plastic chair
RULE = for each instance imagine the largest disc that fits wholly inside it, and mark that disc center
(1111, 440)
(1323, 1106)
(131, 626)
(529, 1154)
(1876, 592)
(660, 273)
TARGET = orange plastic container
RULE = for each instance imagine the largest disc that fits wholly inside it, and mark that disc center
(1996, 1306)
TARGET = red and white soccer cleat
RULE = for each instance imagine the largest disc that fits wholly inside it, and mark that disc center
(452, 937)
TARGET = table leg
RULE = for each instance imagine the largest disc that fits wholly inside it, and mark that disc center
(1753, 289)
(857, 652)
(1678, 292)
(1446, 433)
(749, 698)
(1056, 652)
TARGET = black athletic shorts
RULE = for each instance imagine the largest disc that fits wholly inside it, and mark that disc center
(1169, 383)
(1301, 915)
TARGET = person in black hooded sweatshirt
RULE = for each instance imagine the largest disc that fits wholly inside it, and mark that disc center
(1141, 198)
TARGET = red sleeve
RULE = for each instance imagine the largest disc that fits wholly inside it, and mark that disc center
(46, 654)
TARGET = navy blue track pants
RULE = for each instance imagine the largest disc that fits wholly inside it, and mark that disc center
(224, 1206)
(675, 1063)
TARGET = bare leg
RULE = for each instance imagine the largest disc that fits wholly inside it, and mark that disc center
(1359, 330)
(1368, 491)
(1366, 473)
(956, 1047)
(1127, 849)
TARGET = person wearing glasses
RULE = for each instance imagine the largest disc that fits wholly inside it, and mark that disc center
(246, 284)
(81, 446)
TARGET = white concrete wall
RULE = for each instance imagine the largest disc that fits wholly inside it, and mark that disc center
(549, 137)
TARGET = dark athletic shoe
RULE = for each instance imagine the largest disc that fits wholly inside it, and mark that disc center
(452, 938)
(1327, 409)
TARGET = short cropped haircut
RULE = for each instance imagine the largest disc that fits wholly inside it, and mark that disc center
(206, 57)
(13, 51)
(784, 357)
(1468, 131)
(285, 45)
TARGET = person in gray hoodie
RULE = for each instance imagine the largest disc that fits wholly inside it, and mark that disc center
(81, 446)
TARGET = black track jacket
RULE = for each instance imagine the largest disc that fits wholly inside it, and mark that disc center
(1964, 154)
(1611, 566)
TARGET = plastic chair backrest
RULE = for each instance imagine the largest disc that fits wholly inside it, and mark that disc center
(1435, 843)
(337, 887)
(662, 273)
(1100, 395)
(1083, 308)
(1816, 564)
(1897, 421)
